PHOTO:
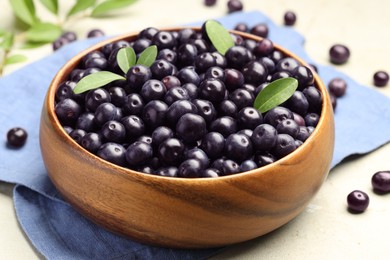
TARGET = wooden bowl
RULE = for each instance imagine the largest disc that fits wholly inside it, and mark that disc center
(179, 212)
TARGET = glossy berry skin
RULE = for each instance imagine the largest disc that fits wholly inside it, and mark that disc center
(188, 75)
(154, 113)
(133, 104)
(225, 125)
(264, 47)
(227, 108)
(289, 18)
(277, 115)
(77, 135)
(287, 64)
(238, 147)
(311, 119)
(96, 97)
(137, 76)
(171, 82)
(168, 55)
(205, 109)
(161, 68)
(113, 131)
(314, 98)
(178, 109)
(358, 201)
(67, 111)
(285, 144)
(242, 98)
(264, 137)
(255, 73)
(216, 73)
(105, 112)
(199, 154)
(242, 27)
(337, 86)
(170, 171)
(164, 40)
(191, 127)
(381, 78)
(153, 89)
(160, 134)
(112, 152)
(210, 173)
(171, 151)
(249, 118)
(339, 54)
(247, 165)
(16, 137)
(260, 29)
(264, 158)
(65, 90)
(304, 76)
(91, 141)
(204, 61)
(229, 167)
(234, 6)
(133, 125)
(138, 153)
(117, 95)
(303, 133)
(288, 126)
(212, 89)
(190, 168)
(298, 103)
(95, 33)
(381, 181)
(174, 94)
(213, 144)
(237, 57)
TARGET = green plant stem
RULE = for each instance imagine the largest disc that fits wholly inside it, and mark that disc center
(3, 61)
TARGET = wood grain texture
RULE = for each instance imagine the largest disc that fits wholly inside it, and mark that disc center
(185, 213)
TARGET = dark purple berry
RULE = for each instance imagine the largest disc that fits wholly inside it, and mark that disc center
(233, 79)
(263, 47)
(190, 168)
(337, 86)
(171, 82)
(160, 134)
(277, 115)
(154, 113)
(242, 27)
(213, 144)
(304, 76)
(112, 152)
(287, 64)
(381, 181)
(164, 40)
(303, 133)
(105, 112)
(95, 98)
(227, 108)
(247, 165)
(314, 97)
(161, 68)
(238, 147)
(234, 6)
(238, 56)
(188, 75)
(263, 158)
(171, 151)
(133, 105)
(254, 73)
(137, 76)
(199, 154)
(381, 78)
(289, 18)
(138, 153)
(212, 89)
(169, 171)
(178, 109)
(152, 89)
(288, 126)
(168, 55)
(249, 118)
(148, 33)
(113, 131)
(77, 135)
(191, 127)
(91, 142)
(68, 111)
(264, 137)
(16, 137)
(205, 109)
(311, 119)
(285, 144)
(357, 201)
(174, 94)
(229, 167)
(260, 29)
(95, 33)
(242, 98)
(134, 126)
(339, 54)
(210, 173)
(225, 125)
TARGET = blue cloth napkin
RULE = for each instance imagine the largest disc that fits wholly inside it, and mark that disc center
(59, 232)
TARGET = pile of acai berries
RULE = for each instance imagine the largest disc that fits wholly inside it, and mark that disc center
(191, 112)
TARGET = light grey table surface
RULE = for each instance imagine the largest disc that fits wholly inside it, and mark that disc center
(325, 230)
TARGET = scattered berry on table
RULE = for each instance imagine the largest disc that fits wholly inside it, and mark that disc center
(339, 54)
(16, 137)
(209, 2)
(357, 201)
(381, 78)
(234, 6)
(289, 18)
(95, 33)
(337, 86)
(381, 181)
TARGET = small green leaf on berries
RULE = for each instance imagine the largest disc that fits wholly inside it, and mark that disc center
(126, 58)
(148, 56)
(24, 10)
(219, 36)
(96, 80)
(275, 93)
(43, 32)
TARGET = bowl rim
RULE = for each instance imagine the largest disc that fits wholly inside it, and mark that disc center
(62, 74)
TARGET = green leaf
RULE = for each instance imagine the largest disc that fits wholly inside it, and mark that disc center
(81, 5)
(8, 41)
(219, 36)
(126, 58)
(96, 80)
(32, 45)
(51, 5)
(275, 94)
(147, 56)
(43, 32)
(109, 5)
(24, 10)
(16, 58)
